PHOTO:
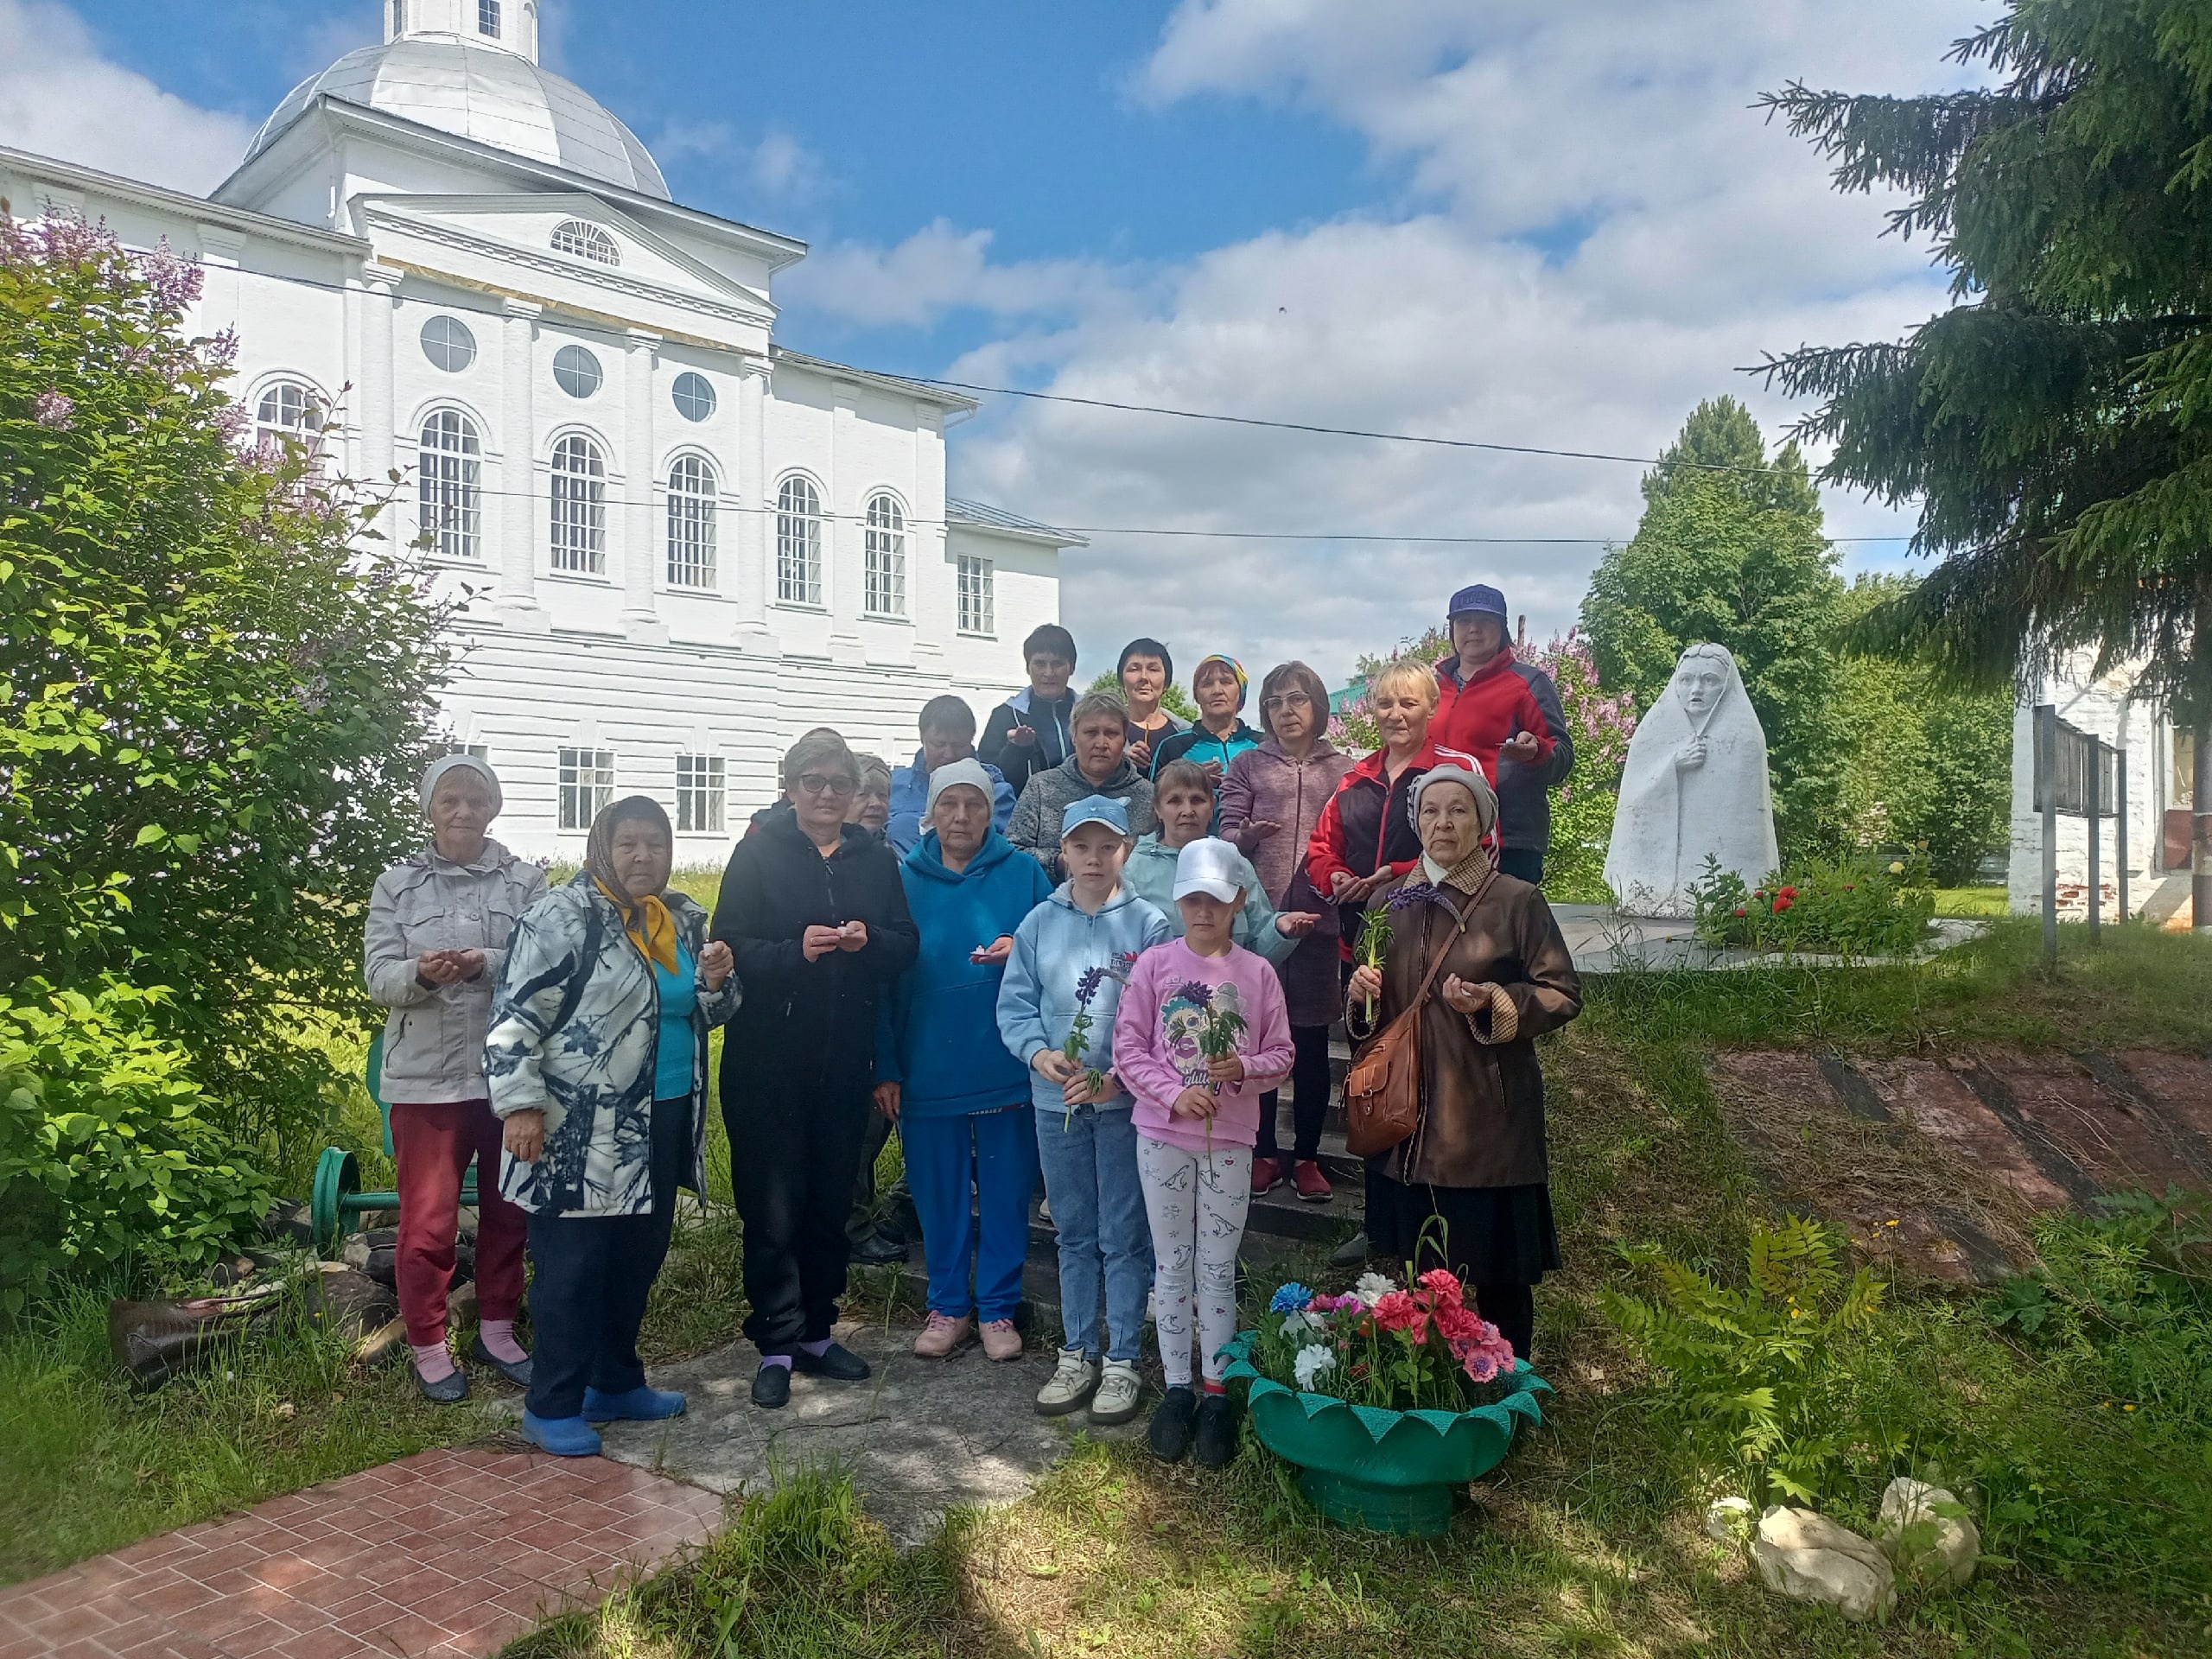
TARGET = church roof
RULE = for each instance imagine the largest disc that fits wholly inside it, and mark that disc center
(495, 97)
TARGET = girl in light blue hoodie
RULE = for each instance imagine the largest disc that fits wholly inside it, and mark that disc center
(1071, 955)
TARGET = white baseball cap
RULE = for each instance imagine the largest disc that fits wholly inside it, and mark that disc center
(1210, 866)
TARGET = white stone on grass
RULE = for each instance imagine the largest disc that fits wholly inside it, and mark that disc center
(1928, 1545)
(1694, 787)
(1807, 1557)
(1728, 1520)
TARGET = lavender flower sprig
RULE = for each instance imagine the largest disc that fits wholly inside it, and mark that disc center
(1086, 988)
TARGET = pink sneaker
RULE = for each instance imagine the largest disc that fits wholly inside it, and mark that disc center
(1000, 1339)
(1312, 1186)
(942, 1335)
(1266, 1175)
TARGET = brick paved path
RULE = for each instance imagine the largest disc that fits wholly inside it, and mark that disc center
(449, 1553)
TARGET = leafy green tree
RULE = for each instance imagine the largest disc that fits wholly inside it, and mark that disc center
(2056, 423)
(215, 687)
(1731, 549)
(1174, 700)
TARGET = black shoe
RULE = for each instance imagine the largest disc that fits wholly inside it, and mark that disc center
(880, 1250)
(516, 1371)
(772, 1386)
(447, 1390)
(837, 1362)
(1170, 1434)
(1353, 1251)
(1217, 1435)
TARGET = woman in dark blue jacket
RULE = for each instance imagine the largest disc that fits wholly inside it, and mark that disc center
(960, 1099)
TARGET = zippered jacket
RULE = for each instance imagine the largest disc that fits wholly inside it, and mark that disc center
(1200, 745)
(1055, 946)
(1036, 825)
(433, 1036)
(1481, 714)
(1366, 825)
(576, 1034)
(807, 1029)
(937, 1033)
(1017, 763)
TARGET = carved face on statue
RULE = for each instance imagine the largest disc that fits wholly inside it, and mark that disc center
(1700, 678)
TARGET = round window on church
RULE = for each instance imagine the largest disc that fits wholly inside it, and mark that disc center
(449, 345)
(576, 371)
(693, 395)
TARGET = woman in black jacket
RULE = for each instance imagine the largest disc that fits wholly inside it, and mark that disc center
(813, 910)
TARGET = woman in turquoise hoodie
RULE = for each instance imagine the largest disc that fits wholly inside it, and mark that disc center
(960, 1100)
(1056, 1015)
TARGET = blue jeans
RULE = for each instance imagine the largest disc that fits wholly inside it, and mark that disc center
(1090, 1158)
(992, 1155)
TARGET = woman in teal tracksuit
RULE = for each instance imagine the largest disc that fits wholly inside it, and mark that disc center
(960, 1099)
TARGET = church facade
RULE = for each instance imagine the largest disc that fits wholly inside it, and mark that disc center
(680, 544)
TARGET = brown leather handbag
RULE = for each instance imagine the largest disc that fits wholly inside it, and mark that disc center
(1382, 1090)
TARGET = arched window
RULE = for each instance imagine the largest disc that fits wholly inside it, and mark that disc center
(885, 584)
(287, 412)
(586, 241)
(449, 484)
(691, 522)
(579, 506)
(798, 544)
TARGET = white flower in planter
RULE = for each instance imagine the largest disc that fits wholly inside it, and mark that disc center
(1373, 1288)
(1312, 1362)
(1295, 1323)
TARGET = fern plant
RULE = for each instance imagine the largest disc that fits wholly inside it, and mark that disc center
(1756, 1371)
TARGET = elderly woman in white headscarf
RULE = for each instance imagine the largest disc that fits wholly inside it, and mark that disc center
(439, 926)
(1476, 1163)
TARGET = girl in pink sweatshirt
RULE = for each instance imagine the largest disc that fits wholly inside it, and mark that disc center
(1197, 1116)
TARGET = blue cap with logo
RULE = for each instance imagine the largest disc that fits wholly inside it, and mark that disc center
(1481, 598)
(1095, 808)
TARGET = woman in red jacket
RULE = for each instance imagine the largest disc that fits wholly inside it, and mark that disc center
(1365, 839)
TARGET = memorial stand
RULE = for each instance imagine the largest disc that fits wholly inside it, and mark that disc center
(2077, 775)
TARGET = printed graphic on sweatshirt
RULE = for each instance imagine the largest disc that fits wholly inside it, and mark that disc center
(1183, 1020)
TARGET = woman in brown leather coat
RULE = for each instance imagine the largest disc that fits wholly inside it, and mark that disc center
(1476, 1161)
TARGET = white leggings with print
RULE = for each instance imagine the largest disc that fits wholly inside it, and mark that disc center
(1197, 1203)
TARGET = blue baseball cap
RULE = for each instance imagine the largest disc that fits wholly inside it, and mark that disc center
(1482, 597)
(1095, 808)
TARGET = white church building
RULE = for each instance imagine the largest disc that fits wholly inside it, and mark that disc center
(682, 544)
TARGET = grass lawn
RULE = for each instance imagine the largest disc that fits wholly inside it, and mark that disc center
(1970, 901)
(1588, 1540)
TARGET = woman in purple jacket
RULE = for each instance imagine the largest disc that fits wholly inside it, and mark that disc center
(1271, 798)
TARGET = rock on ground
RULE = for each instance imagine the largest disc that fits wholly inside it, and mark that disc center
(1937, 1549)
(1807, 1557)
(1728, 1520)
(918, 1437)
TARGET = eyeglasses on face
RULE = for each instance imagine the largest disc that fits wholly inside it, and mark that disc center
(1286, 700)
(815, 783)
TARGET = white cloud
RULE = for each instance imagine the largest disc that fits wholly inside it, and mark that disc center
(938, 269)
(777, 166)
(1701, 236)
(59, 96)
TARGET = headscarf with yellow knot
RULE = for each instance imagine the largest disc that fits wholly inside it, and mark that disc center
(646, 920)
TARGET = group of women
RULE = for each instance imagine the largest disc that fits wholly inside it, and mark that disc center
(1109, 993)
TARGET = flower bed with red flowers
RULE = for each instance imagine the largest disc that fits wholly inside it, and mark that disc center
(1862, 907)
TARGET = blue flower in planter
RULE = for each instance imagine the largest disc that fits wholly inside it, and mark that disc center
(1291, 1299)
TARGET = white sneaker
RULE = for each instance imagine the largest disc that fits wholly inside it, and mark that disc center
(1073, 1380)
(1119, 1390)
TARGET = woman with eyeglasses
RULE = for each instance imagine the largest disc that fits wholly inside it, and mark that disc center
(814, 912)
(1271, 800)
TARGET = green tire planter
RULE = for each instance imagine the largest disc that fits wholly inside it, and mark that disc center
(1383, 1470)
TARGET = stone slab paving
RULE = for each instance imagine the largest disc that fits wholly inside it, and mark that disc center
(1604, 940)
(917, 1438)
(447, 1555)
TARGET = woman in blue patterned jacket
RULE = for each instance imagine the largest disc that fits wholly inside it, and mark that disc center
(597, 1060)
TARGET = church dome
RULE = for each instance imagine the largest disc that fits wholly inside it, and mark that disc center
(489, 93)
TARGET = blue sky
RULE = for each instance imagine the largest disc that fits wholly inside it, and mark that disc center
(1516, 221)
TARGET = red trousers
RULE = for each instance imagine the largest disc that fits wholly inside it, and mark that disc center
(432, 1145)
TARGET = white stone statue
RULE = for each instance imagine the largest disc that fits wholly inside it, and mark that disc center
(1696, 786)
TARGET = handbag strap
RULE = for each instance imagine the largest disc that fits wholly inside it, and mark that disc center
(1459, 927)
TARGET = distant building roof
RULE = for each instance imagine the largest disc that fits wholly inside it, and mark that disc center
(983, 515)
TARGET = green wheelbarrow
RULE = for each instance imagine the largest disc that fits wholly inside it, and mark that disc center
(337, 1203)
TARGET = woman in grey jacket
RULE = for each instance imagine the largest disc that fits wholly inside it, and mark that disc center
(598, 1064)
(437, 934)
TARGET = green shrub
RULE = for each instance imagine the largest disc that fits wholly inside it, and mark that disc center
(1856, 908)
(1760, 1376)
(104, 1156)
